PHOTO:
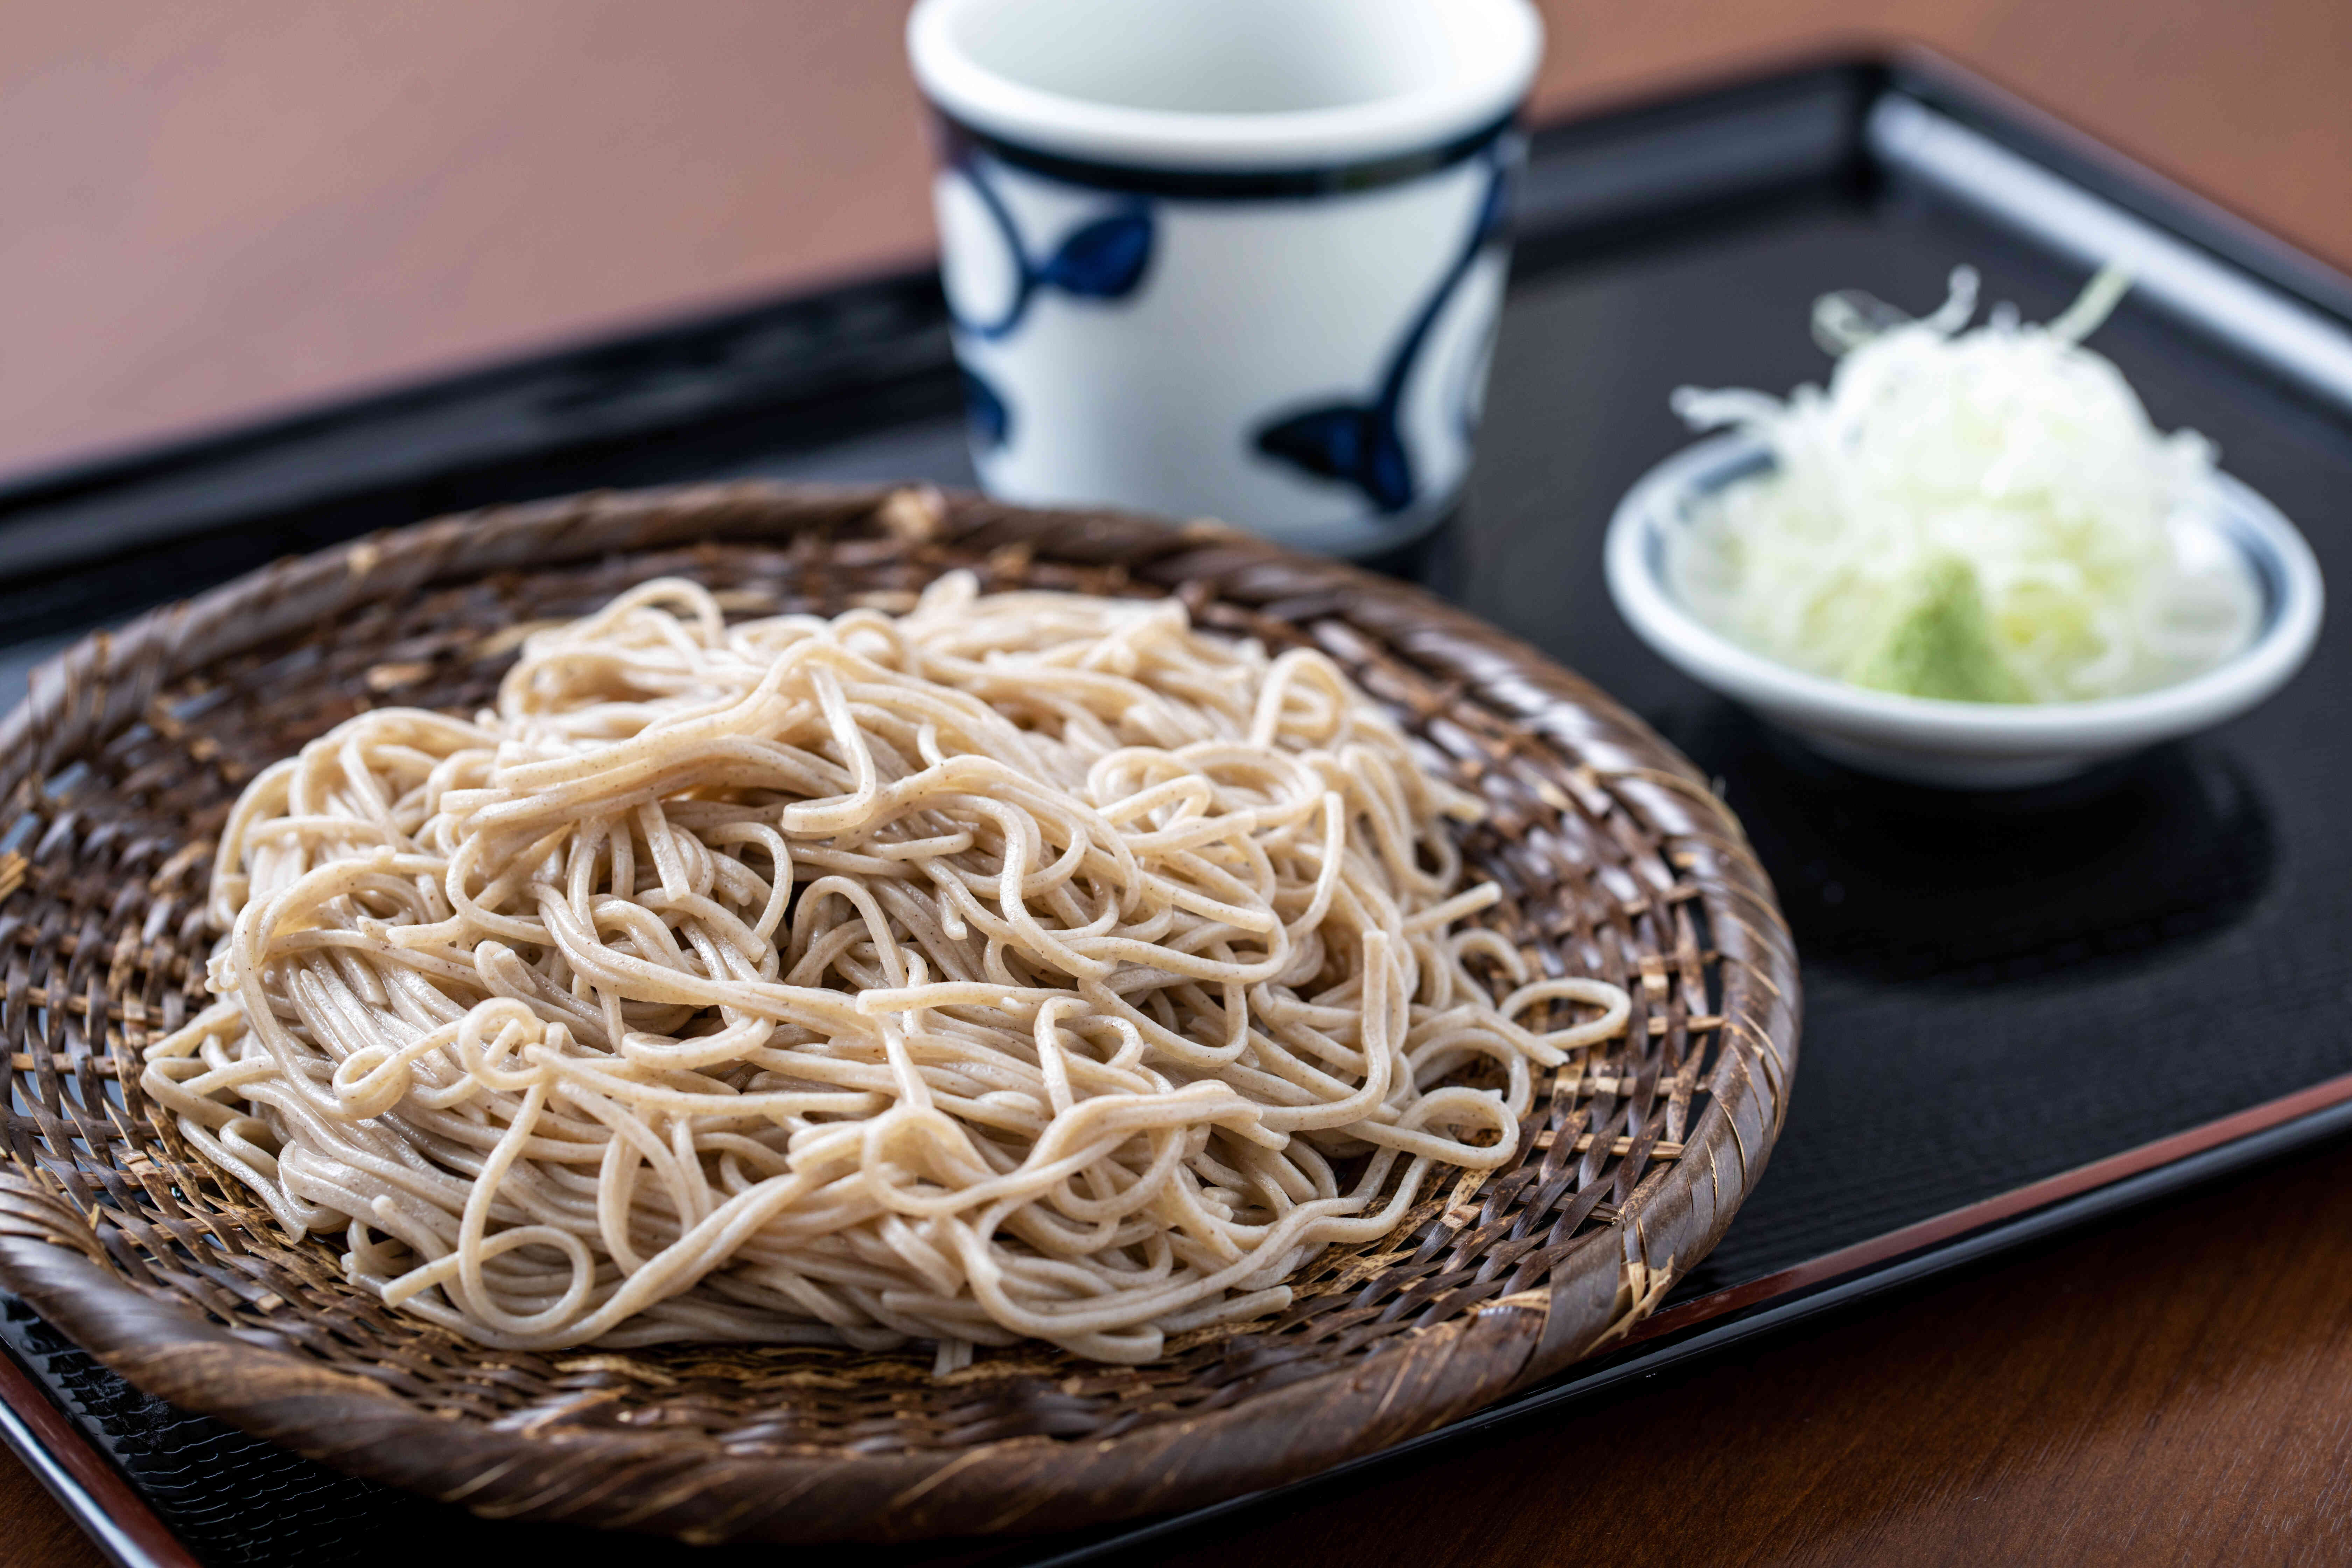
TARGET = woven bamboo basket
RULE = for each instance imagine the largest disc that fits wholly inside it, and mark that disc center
(118, 770)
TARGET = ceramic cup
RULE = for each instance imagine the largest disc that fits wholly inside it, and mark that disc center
(1233, 258)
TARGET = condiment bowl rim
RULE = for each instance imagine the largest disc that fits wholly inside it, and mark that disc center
(2248, 520)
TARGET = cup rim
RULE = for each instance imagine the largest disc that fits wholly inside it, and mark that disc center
(987, 102)
(1985, 729)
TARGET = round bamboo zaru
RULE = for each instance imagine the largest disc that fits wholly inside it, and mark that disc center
(1613, 857)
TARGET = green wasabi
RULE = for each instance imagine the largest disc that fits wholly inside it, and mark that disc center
(1940, 642)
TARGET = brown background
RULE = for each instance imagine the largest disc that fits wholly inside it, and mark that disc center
(214, 210)
(217, 208)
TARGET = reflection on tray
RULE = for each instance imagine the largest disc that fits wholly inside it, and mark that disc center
(1897, 882)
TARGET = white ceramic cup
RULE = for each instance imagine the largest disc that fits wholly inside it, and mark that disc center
(1233, 258)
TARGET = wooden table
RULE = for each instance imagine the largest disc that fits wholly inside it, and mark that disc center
(2175, 1390)
(220, 210)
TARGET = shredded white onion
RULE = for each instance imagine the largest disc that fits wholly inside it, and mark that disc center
(1985, 515)
(1025, 965)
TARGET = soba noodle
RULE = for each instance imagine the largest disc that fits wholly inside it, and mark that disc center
(1027, 965)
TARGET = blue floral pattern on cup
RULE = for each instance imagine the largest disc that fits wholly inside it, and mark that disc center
(1299, 347)
(1102, 259)
(985, 411)
(1358, 443)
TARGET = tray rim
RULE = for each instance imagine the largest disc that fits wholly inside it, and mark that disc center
(75, 1471)
(79, 1475)
(1913, 1255)
(2225, 1147)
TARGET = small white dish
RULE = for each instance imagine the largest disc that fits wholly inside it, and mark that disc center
(1953, 745)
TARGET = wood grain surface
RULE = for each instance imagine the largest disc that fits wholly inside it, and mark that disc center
(34, 1532)
(233, 207)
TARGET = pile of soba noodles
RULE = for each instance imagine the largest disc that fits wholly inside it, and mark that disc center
(1026, 965)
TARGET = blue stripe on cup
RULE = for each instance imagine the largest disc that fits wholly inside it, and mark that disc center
(958, 141)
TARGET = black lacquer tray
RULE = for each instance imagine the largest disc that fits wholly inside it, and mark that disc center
(2022, 1011)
